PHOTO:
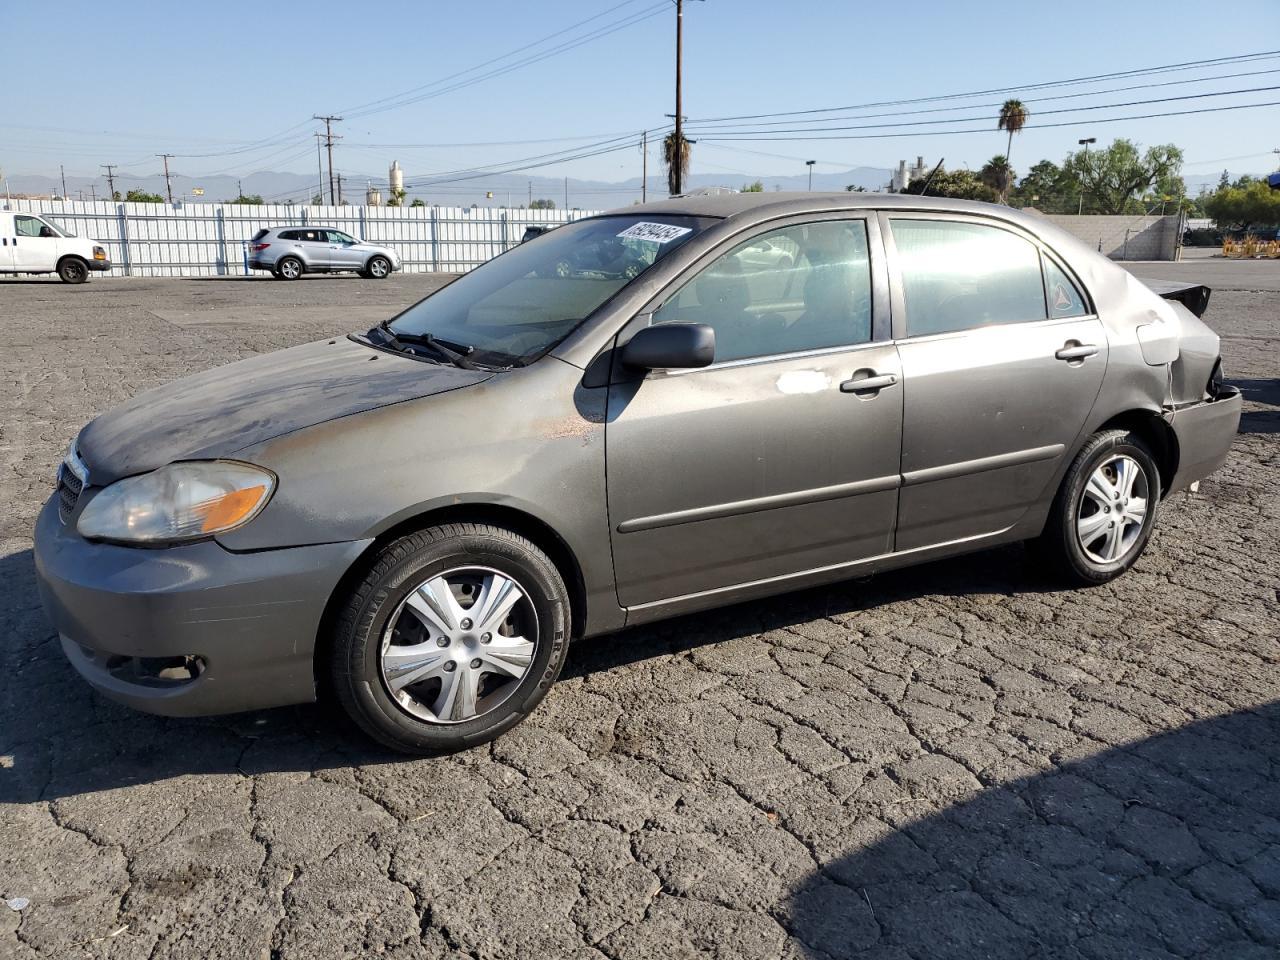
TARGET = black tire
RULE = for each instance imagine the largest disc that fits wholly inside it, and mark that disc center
(378, 268)
(289, 268)
(397, 571)
(1059, 547)
(73, 270)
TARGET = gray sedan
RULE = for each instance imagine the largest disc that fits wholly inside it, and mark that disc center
(634, 416)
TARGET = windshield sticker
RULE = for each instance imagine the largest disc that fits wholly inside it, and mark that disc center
(657, 232)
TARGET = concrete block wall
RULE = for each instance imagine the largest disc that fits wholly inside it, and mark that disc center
(1125, 238)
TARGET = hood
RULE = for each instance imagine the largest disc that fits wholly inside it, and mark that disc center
(215, 413)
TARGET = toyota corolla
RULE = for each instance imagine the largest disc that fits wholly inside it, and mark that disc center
(636, 415)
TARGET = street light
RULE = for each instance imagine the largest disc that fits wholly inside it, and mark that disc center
(1084, 143)
(809, 164)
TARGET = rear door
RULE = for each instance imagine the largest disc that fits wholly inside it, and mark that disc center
(33, 245)
(313, 246)
(770, 462)
(1002, 360)
(6, 242)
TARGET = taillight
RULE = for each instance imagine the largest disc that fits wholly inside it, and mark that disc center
(260, 246)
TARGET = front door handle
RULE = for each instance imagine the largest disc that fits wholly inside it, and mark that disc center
(868, 382)
(1074, 350)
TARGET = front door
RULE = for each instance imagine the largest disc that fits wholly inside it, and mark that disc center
(771, 461)
(1002, 359)
(344, 252)
(33, 245)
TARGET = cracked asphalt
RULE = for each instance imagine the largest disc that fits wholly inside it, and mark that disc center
(954, 761)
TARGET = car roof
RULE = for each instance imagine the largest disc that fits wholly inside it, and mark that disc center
(764, 205)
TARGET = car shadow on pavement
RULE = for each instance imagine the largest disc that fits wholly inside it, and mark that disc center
(1163, 847)
(1265, 392)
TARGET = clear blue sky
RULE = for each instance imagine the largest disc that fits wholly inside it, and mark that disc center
(89, 83)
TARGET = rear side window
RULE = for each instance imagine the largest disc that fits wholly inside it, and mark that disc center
(260, 234)
(284, 234)
(957, 276)
(1063, 296)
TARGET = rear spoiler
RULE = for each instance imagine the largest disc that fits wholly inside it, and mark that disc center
(1193, 296)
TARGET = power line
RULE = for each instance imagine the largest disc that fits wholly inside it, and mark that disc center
(1048, 84)
(980, 119)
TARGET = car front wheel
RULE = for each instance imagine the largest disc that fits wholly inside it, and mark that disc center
(1105, 510)
(453, 636)
(73, 270)
(379, 268)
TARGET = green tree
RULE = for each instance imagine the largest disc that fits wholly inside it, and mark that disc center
(252, 199)
(998, 175)
(541, 204)
(397, 198)
(960, 184)
(317, 200)
(1244, 205)
(141, 196)
(1013, 117)
(854, 188)
(756, 187)
(1112, 179)
(418, 202)
(676, 157)
(1047, 187)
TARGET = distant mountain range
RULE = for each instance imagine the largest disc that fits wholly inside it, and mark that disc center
(507, 189)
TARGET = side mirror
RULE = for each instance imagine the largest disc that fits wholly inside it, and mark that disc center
(671, 346)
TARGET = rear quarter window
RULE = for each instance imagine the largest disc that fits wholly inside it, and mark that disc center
(259, 235)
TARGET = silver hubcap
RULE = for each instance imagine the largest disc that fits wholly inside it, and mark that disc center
(459, 645)
(1112, 510)
(289, 269)
(378, 268)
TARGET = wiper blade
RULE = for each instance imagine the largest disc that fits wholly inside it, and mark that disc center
(446, 349)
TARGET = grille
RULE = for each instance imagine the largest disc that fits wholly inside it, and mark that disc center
(69, 488)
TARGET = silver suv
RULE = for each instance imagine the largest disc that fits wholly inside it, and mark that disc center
(289, 252)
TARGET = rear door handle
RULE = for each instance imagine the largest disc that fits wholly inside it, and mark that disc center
(872, 383)
(1075, 350)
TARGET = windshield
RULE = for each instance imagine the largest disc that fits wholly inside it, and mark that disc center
(59, 228)
(516, 307)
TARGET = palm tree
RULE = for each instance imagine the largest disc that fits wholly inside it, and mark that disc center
(1013, 117)
(676, 158)
(998, 175)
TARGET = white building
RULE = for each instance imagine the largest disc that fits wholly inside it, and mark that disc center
(904, 174)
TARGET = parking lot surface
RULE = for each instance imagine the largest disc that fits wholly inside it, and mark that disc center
(954, 761)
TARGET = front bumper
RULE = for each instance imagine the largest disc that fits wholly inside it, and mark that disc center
(1205, 431)
(249, 619)
(100, 265)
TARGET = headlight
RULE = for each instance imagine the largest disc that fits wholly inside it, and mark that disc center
(99, 253)
(183, 501)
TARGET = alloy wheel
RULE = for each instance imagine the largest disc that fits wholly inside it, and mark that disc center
(459, 645)
(1112, 509)
(378, 268)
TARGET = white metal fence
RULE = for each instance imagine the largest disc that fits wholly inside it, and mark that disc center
(211, 239)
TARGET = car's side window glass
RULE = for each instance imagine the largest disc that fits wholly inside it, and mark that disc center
(1063, 296)
(287, 235)
(311, 236)
(27, 226)
(337, 236)
(958, 275)
(804, 287)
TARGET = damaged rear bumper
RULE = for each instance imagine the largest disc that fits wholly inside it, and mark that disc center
(1205, 431)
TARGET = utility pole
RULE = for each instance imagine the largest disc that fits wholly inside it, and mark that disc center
(168, 187)
(644, 166)
(93, 192)
(531, 193)
(1084, 143)
(677, 173)
(111, 178)
(328, 139)
(809, 164)
(320, 167)
(63, 171)
(339, 189)
(566, 193)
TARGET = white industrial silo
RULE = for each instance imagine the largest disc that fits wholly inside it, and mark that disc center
(373, 196)
(396, 178)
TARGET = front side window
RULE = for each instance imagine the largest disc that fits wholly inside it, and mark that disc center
(31, 227)
(957, 276)
(337, 236)
(803, 287)
(519, 305)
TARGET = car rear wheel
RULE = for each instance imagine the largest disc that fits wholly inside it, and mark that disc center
(289, 268)
(453, 636)
(1105, 511)
(73, 270)
(379, 268)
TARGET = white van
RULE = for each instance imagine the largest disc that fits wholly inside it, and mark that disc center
(31, 244)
